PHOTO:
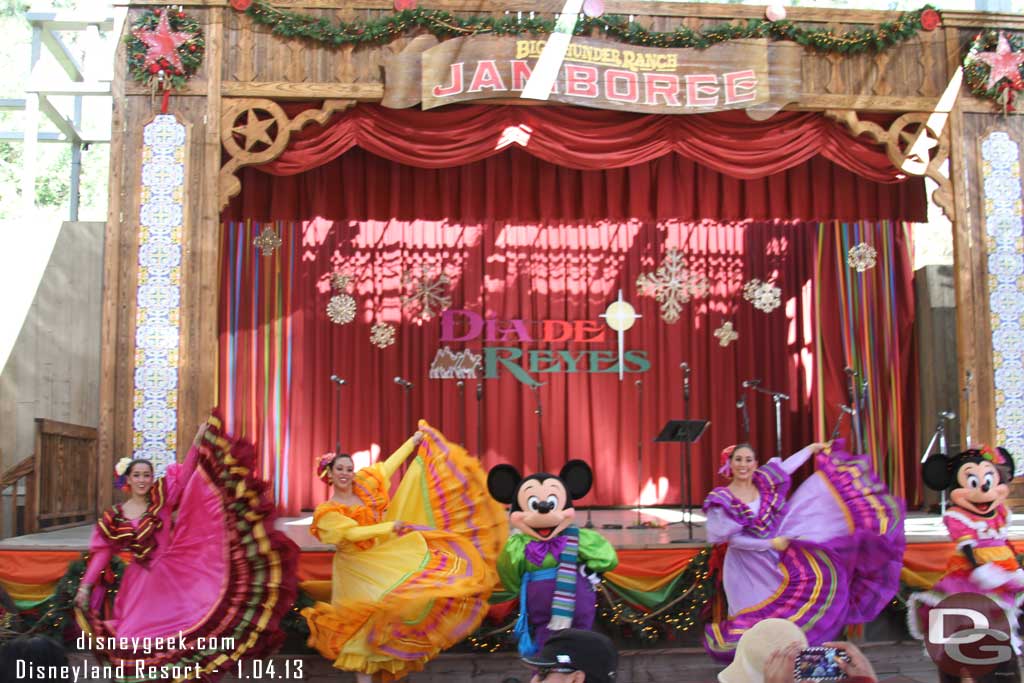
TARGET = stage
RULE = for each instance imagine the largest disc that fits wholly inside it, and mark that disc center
(649, 558)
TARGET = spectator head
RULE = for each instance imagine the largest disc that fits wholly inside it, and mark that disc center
(756, 645)
(575, 656)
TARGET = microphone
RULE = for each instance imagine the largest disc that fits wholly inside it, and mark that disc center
(846, 409)
(479, 390)
(742, 402)
(337, 380)
(751, 383)
(460, 384)
(639, 383)
(948, 414)
(685, 366)
(403, 382)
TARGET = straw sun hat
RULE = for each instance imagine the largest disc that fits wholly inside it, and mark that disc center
(756, 645)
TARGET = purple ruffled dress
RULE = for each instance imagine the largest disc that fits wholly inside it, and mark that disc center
(843, 563)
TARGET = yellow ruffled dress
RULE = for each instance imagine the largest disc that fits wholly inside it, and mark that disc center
(397, 600)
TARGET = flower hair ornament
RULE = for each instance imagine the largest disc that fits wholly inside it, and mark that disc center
(323, 466)
(723, 468)
(121, 472)
(992, 455)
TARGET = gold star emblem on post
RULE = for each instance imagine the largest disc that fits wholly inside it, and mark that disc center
(255, 130)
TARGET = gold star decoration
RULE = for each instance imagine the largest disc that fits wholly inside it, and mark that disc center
(267, 241)
(726, 334)
(255, 130)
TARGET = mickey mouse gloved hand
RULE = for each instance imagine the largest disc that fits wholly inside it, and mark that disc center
(590, 575)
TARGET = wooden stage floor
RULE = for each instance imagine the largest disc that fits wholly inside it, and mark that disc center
(664, 531)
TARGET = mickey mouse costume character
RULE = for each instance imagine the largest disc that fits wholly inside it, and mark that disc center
(978, 520)
(552, 564)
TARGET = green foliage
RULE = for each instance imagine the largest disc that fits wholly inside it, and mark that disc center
(976, 72)
(190, 52)
(446, 25)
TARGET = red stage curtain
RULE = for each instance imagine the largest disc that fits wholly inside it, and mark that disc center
(590, 139)
(515, 186)
(277, 347)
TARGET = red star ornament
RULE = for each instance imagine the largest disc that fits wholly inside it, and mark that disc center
(1003, 63)
(162, 43)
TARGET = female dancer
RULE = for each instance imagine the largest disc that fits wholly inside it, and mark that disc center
(412, 573)
(828, 557)
(209, 579)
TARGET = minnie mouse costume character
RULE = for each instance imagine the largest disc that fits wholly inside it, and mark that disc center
(552, 564)
(978, 519)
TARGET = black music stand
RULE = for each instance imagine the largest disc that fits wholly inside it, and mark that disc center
(683, 432)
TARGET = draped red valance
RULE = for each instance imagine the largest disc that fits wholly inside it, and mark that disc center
(371, 162)
(586, 139)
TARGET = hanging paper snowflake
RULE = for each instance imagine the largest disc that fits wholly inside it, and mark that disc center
(672, 285)
(382, 335)
(764, 295)
(726, 334)
(340, 281)
(267, 241)
(428, 293)
(862, 257)
(341, 309)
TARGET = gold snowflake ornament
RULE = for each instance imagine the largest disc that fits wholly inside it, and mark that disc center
(267, 241)
(428, 294)
(862, 257)
(382, 335)
(726, 334)
(341, 309)
(765, 296)
(672, 285)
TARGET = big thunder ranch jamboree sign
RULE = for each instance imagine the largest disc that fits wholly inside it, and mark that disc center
(753, 74)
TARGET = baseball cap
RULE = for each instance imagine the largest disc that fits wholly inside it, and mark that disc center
(577, 650)
(756, 645)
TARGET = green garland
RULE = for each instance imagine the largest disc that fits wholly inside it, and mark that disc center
(446, 25)
(678, 613)
(976, 72)
(190, 52)
(52, 617)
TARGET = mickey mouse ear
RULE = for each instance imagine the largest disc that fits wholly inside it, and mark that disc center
(503, 482)
(937, 472)
(578, 478)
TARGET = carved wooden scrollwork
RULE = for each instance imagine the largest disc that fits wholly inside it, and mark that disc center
(256, 131)
(913, 145)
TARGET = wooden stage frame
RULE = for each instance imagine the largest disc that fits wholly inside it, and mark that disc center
(247, 68)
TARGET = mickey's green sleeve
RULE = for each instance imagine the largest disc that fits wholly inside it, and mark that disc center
(596, 552)
(512, 562)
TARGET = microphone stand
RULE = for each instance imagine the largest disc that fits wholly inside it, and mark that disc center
(639, 452)
(337, 415)
(858, 436)
(742, 405)
(777, 398)
(480, 418)
(687, 512)
(461, 387)
(940, 436)
(539, 412)
(967, 409)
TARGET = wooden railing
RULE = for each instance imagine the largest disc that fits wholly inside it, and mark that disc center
(55, 487)
(66, 462)
(23, 473)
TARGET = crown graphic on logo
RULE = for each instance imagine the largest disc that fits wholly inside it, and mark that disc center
(450, 364)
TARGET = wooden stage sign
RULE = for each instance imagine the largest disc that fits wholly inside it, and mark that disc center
(740, 74)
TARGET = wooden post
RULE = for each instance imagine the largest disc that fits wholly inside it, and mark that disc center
(30, 144)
